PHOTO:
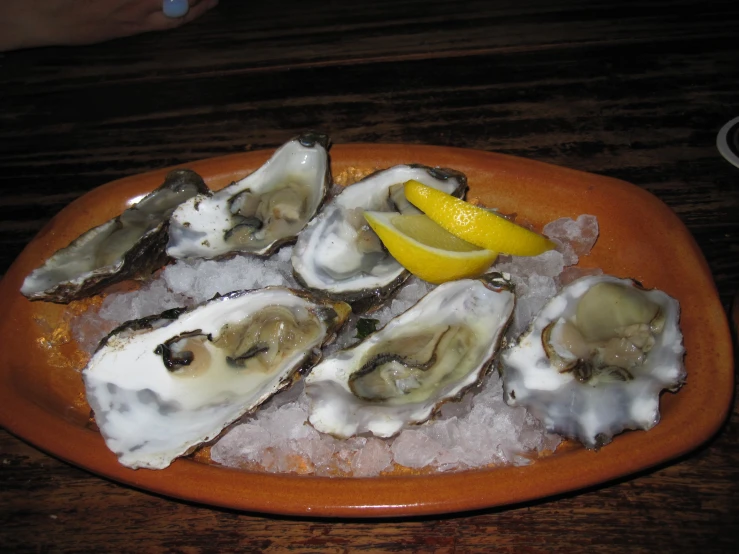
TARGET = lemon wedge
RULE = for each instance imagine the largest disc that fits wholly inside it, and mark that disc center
(475, 225)
(426, 249)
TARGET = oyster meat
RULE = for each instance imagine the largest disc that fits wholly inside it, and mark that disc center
(338, 253)
(262, 211)
(162, 385)
(595, 359)
(401, 374)
(128, 246)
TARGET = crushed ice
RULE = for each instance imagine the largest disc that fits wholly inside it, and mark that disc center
(478, 431)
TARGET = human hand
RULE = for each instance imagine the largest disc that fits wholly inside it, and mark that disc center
(30, 23)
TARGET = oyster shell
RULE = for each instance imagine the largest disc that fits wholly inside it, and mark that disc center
(338, 253)
(595, 359)
(164, 384)
(128, 246)
(262, 211)
(401, 374)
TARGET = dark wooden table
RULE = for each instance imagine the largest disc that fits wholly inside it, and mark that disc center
(634, 90)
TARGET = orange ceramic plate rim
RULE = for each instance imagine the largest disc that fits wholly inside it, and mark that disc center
(632, 223)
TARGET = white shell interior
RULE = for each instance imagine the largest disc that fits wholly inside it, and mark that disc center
(326, 256)
(198, 227)
(149, 415)
(337, 411)
(592, 413)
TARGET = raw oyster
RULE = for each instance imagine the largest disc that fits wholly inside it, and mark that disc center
(128, 246)
(401, 374)
(162, 385)
(339, 254)
(595, 359)
(262, 211)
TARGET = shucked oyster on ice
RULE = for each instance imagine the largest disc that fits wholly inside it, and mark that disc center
(128, 246)
(595, 359)
(338, 253)
(162, 385)
(401, 374)
(260, 212)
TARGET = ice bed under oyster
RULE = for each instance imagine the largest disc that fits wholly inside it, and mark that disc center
(478, 431)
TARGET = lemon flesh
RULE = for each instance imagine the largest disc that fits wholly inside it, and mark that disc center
(475, 225)
(426, 249)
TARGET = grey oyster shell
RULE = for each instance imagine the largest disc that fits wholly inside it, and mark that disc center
(126, 247)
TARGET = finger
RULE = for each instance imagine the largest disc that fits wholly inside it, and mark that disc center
(158, 21)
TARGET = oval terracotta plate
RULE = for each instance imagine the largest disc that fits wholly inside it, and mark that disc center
(41, 396)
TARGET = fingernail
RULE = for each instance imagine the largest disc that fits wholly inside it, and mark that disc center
(175, 8)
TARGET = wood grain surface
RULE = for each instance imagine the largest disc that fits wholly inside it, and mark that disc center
(634, 90)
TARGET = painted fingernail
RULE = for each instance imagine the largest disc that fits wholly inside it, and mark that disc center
(175, 8)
